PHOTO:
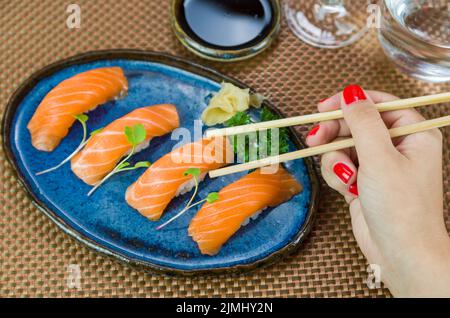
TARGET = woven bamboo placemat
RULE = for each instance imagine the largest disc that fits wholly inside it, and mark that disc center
(35, 254)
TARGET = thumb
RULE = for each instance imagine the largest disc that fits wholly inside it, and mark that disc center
(366, 125)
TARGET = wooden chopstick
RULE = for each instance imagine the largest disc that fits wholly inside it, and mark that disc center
(312, 118)
(337, 145)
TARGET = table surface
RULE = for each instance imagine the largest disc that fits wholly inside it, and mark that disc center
(35, 254)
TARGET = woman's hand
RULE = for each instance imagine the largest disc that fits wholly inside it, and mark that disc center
(394, 189)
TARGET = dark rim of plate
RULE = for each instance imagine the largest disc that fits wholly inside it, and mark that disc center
(166, 59)
(223, 55)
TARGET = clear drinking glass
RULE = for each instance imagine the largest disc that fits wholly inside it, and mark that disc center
(415, 34)
(327, 23)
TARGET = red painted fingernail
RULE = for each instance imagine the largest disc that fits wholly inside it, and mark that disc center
(353, 93)
(322, 100)
(353, 188)
(343, 172)
(313, 131)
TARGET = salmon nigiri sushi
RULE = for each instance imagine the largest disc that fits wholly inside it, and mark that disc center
(165, 178)
(104, 150)
(76, 95)
(216, 222)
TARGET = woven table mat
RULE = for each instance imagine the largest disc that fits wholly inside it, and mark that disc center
(35, 254)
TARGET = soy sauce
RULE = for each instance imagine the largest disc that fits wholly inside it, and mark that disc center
(226, 24)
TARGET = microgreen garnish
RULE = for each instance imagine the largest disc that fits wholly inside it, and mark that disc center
(82, 119)
(135, 135)
(142, 164)
(210, 198)
(194, 172)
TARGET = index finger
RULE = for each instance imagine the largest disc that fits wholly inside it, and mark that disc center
(328, 131)
(334, 102)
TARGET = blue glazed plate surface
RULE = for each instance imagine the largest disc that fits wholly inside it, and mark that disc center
(104, 219)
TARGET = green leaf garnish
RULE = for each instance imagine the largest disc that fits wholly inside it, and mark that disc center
(240, 118)
(212, 197)
(82, 119)
(122, 165)
(135, 135)
(195, 172)
(266, 115)
(129, 134)
(142, 164)
(246, 145)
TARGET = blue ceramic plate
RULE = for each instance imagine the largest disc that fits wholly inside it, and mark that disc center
(104, 221)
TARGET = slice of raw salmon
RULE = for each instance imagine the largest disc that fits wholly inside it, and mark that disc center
(104, 150)
(78, 94)
(216, 222)
(165, 179)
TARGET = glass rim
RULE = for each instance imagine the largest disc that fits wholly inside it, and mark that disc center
(226, 55)
(415, 35)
